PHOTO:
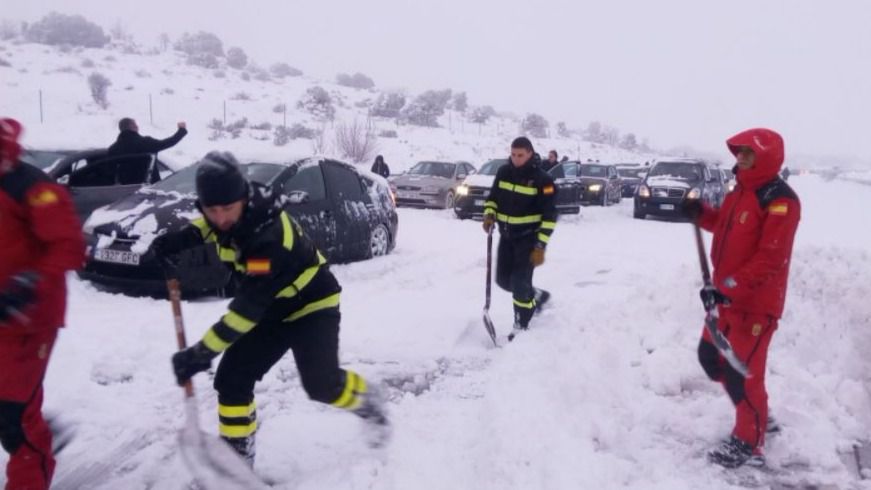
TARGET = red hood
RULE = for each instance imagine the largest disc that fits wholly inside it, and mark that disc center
(768, 147)
(10, 150)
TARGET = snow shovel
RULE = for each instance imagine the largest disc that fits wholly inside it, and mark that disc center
(712, 316)
(488, 323)
(212, 461)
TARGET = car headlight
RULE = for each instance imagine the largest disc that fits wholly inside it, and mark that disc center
(463, 190)
(595, 187)
(694, 194)
(643, 191)
(732, 186)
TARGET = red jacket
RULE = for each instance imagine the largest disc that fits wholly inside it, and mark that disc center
(40, 232)
(754, 229)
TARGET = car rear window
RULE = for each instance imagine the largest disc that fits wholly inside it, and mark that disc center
(436, 169)
(184, 181)
(677, 170)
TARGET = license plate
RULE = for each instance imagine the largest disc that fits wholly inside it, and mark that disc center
(116, 257)
(479, 202)
(404, 195)
(666, 207)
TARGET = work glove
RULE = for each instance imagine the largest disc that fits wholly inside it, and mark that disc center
(691, 209)
(711, 297)
(536, 258)
(188, 362)
(18, 295)
(489, 222)
(165, 251)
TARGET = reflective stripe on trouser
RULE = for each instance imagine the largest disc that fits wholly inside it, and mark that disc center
(514, 273)
(750, 336)
(353, 393)
(236, 421)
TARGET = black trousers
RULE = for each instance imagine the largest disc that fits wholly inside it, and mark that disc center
(314, 340)
(514, 273)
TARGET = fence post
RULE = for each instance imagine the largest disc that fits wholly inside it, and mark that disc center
(284, 116)
(40, 107)
(150, 110)
(225, 112)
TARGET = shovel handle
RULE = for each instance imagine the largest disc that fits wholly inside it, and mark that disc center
(172, 285)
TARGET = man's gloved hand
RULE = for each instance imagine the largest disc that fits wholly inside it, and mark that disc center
(165, 250)
(190, 361)
(489, 222)
(711, 297)
(18, 295)
(537, 256)
(691, 208)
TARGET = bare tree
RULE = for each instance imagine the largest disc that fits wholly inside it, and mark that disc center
(320, 143)
(355, 141)
(99, 85)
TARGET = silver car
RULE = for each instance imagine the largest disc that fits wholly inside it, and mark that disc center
(430, 184)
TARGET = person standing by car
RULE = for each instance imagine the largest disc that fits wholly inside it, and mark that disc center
(752, 247)
(380, 167)
(41, 240)
(130, 142)
(522, 201)
(551, 162)
(287, 300)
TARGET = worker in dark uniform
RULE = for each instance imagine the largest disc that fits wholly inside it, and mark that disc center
(522, 201)
(287, 300)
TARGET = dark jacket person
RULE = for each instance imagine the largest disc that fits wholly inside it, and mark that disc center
(380, 167)
(130, 142)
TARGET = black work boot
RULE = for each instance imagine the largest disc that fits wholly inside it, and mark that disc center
(541, 298)
(244, 446)
(373, 411)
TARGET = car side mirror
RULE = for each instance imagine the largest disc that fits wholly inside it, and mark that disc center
(298, 197)
(64, 179)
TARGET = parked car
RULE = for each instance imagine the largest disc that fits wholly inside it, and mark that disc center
(475, 188)
(95, 179)
(670, 182)
(430, 184)
(349, 215)
(729, 181)
(595, 183)
(631, 175)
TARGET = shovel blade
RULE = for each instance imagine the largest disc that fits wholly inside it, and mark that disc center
(491, 330)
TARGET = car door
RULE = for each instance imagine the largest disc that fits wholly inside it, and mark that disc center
(565, 176)
(105, 180)
(351, 206)
(306, 200)
(614, 185)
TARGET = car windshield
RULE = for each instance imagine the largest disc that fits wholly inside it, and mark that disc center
(184, 181)
(631, 172)
(436, 169)
(491, 167)
(677, 170)
(594, 170)
(41, 159)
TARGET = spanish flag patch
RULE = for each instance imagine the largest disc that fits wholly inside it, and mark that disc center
(258, 267)
(779, 209)
(547, 190)
(43, 198)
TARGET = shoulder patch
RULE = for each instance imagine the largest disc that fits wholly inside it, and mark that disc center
(258, 266)
(778, 209)
(45, 197)
(22, 178)
(548, 189)
(772, 191)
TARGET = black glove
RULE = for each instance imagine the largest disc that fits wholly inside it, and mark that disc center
(18, 295)
(165, 250)
(188, 362)
(711, 297)
(691, 208)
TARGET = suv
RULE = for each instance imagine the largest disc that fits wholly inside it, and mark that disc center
(670, 182)
(631, 175)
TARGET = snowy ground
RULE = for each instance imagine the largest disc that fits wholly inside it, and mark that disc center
(604, 392)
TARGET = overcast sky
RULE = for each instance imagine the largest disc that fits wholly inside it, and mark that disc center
(677, 71)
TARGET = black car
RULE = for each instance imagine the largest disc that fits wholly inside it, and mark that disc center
(95, 179)
(350, 216)
(631, 175)
(587, 183)
(670, 182)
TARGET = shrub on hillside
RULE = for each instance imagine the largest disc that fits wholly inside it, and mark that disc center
(426, 108)
(204, 60)
(58, 29)
(534, 125)
(482, 114)
(317, 101)
(357, 80)
(99, 86)
(200, 43)
(388, 105)
(281, 70)
(236, 58)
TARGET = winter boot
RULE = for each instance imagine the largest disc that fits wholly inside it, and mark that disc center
(541, 297)
(373, 411)
(772, 427)
(515, 331)
(61, 433)
(734, 453)
(244, 446)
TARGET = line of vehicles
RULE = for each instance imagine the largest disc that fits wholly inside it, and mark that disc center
(124, 201)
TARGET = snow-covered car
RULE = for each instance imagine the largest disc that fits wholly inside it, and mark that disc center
(631, 175)
(348, 213)
(670, 182)
(475, 188)
(594, 183)
(430, 184)
(95, 179)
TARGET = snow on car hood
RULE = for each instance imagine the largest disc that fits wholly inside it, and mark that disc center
(479, 180)
(667, 182)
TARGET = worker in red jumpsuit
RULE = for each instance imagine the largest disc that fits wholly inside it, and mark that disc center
(751, 252)
(40, 240)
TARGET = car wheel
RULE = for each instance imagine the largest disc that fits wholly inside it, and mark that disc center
(638, 214)
(379, 241)
(449, 200)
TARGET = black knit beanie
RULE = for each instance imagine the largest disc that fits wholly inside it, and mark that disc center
(219, 180)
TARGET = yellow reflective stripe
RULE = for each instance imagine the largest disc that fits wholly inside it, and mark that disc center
(287, 238)
(238, 322)
(520, 189)
(543, 238)
(205, 231)
(548, 225)
(489, 212)
(522, 304)
(226, 254)
(354, 385)
(237, 430)
(236, 411)
(518, 220)
(302, 280)
(213, 342)
(328, 302)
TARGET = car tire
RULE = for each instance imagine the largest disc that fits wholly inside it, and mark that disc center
(379, 241)
(638, 214)
(449, 200)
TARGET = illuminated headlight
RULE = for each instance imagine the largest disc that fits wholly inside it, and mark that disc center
(732, 186)
(463, 190)
(595, 187)
(694, 194)
(643, 191)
